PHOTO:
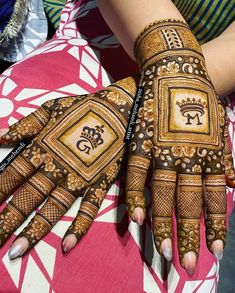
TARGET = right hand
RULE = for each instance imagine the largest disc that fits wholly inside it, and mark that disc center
(180, 132)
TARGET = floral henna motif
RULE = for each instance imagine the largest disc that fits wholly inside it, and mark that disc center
(162, 229)
(228, 159)
(134, 200)
(179, 128)
(112, 172)
(215, 229)
(10, 219)
(74, 182)
(37, 228)
(188, 236)
(80, 227)
(27, 127)
(77, 148)
(89, 208)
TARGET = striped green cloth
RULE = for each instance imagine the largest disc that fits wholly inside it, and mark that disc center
(53, 9)
(207, 18)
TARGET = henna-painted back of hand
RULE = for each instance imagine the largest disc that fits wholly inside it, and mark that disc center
(180, 132)
(77, 149)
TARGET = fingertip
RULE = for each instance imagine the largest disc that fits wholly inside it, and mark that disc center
(166, 248)
(230, 182)
(19, 246)
(189, 262)
(138, 216)
(68, 243)
(2, 132)
(217, 247)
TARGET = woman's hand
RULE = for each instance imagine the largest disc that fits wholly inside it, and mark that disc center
(180, 131)
(76, 149)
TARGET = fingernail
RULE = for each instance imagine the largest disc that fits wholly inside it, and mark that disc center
(166, 248)
(69, 242)
(18, 248)
(189, 262)
(217, 248)
(138, 216)
(190, 270)
(219, 256)
(139, 219)
(167, 252)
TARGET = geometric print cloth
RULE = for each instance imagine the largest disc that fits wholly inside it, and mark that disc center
(115, 255)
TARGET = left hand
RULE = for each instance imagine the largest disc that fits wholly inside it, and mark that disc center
(76, 149)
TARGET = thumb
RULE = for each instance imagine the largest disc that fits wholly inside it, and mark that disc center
(27, 127)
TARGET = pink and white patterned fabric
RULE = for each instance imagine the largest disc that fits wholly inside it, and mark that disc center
(115, 255)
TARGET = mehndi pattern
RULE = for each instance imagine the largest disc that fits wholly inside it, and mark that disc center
(180, 132)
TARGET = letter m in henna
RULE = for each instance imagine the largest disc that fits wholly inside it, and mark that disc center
(191, 106)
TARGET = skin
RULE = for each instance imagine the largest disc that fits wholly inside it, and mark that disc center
(126, 26)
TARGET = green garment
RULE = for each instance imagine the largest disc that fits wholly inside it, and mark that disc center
(207, 18)
(53, 9)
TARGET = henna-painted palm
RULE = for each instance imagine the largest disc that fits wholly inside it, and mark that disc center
(180, 131)
(76, 149)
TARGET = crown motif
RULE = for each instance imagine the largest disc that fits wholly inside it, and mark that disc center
(192, 104)
(93, 135)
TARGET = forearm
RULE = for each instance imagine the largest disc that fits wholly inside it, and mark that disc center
(128, 18)
(220, 60)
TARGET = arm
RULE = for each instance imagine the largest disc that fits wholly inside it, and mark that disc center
(220, 60)
(127, 19)
(127, 26)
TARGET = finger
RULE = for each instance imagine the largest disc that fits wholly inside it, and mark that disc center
(14, 176)
(136, 176)
(30, 195)
(140, 156)
(89, 208)
(228, 159)
(60, 200)
(55, 207)
(138, 215)
(2, 132)
(189, 205)
(163, 191)
(215, 202)
(28, 126)
(21, 168)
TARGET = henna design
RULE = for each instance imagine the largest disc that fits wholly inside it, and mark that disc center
(216, 208)
(162, 229)
(135, 183)
(37, 228)
(58, 165)
(188, 236)
(163, 191)
(179, 129)
(215, 230)
(10, 220)
(88, 209)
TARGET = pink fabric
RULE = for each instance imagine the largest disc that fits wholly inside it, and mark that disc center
(114, 256)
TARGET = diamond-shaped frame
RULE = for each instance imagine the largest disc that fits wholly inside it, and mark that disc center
(115, 126)
(165, 130)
